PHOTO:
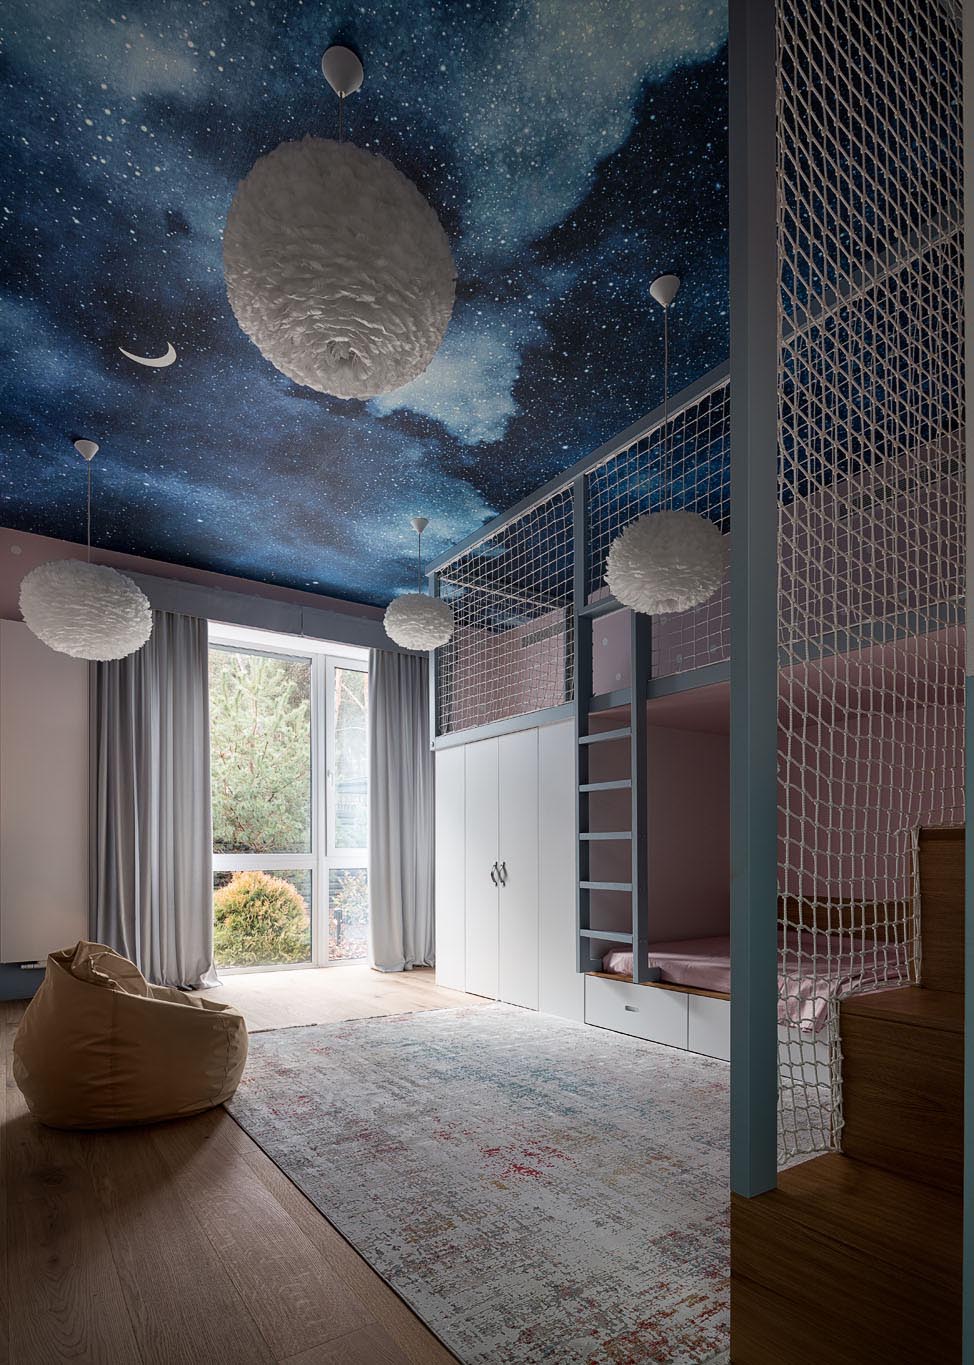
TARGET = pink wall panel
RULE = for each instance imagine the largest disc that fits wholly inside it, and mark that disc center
(688, 774)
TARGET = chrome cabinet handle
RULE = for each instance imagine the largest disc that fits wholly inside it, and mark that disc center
(502, 873)
(493, 875)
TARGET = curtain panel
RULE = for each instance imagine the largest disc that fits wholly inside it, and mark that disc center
(151, 853)
(400, 812)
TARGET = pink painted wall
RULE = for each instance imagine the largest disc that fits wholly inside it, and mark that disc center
(688, 787)
(20, 552)
(489, 675)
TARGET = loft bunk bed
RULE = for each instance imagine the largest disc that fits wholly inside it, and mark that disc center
(538, 639)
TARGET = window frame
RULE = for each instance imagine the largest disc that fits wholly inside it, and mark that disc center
(324, 657)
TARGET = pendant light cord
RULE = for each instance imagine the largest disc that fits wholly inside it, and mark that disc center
(667, 472)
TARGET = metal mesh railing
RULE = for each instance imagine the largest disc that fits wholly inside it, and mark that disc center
(512, 650)
(871, 510)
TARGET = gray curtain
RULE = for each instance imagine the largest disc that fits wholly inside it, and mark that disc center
(151, 854)
(400, 812)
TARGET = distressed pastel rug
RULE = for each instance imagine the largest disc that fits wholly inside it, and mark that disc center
(536, 1190)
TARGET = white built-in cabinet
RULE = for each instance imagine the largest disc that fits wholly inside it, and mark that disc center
(43, 797)
(505, 895)
(505, 869)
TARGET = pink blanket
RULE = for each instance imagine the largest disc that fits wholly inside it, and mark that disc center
(813, 969)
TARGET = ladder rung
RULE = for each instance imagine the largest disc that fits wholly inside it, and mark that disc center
(621, 785)
(606, 886)
(608, 701)
(602, 607)
(624, 733)
(605, 935)
(600, 836)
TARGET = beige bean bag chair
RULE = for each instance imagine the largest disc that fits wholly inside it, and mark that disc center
(100, 1048)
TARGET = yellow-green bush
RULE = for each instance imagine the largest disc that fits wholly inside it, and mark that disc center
(259, 919)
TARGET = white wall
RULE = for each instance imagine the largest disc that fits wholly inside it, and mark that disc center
(43, 797)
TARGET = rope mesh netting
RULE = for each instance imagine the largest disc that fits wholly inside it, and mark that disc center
(871, 510)
(512, 648)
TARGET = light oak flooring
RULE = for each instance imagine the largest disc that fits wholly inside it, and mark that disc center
(330, 994)
(183, 1242)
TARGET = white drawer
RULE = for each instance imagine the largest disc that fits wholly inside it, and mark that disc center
(708, 1028)
(659, 1016)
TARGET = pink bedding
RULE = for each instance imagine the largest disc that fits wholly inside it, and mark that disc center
(812, 973)
(700, 962)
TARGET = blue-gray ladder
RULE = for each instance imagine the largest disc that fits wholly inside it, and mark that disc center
(592, 942)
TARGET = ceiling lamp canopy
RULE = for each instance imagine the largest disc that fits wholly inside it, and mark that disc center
(672, 559)
(414, 620)
(86, 610)
(336, 266)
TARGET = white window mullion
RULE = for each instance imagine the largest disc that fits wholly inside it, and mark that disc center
(263, 862)
(320, 797)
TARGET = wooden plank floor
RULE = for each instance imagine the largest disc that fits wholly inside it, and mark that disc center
(183, 1241)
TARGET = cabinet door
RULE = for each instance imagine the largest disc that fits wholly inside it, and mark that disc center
(518, 897)
(561, 987)
(480, 821)
(43, 797)
(450, 864)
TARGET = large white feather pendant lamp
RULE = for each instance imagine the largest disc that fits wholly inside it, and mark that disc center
(336, 267)
(671, 560)
(414, 620)
(86, 610)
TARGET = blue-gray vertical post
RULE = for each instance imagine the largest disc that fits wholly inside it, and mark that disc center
(434, 586)
(754, 635)
(967, 1300)
(640, 664)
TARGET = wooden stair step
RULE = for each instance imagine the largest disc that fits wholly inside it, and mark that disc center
(903, 1083)
(917, 1006)
(942, 908)
(848, 1263)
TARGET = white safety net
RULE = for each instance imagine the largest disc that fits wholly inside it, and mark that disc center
(871, 510)
(512, 648)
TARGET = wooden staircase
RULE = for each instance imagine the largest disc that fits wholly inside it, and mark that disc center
(855, 1259)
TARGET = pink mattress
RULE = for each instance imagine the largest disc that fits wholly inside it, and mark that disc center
(700, 962)
(812, 974)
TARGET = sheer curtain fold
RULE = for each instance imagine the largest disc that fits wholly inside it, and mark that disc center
(400, 812)
(151, 856)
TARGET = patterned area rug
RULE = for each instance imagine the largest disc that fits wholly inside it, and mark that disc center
(536, 1190)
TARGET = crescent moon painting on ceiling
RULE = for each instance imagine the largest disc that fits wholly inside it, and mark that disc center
(572, 149)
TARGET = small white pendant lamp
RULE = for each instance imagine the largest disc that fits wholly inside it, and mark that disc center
(86, 610)
(415, 620)
(671, 560)
(336, 267)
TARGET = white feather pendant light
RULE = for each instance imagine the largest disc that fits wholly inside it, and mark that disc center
(86, 610)
(671, 560)
(336, 266)
(666, 562)
(414, 620)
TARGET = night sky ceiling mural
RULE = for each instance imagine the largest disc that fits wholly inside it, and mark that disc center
(572, 148)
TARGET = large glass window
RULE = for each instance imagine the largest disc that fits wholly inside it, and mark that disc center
(260, 752)
(289, 775)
